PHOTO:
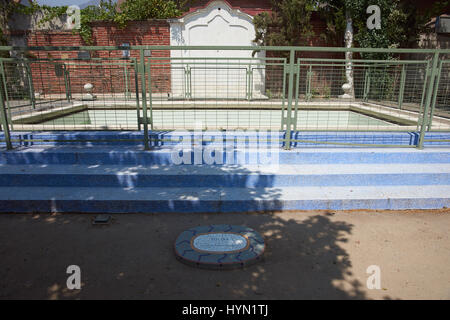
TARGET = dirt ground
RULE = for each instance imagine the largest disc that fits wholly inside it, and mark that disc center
(309, 255)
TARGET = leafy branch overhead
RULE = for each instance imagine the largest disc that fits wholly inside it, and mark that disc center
(130, 10)
(401, 21)
(289, 23)
(107, 10)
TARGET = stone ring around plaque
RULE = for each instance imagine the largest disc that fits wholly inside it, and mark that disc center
(219, 246)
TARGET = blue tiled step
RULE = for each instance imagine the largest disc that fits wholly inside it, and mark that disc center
(223, 176)
(168, 138)
(129, 155)
(187, 200)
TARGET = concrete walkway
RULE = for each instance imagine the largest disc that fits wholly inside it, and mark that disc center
(310, 255)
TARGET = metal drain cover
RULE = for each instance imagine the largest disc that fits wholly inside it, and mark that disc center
(102, 219)
(221, 246)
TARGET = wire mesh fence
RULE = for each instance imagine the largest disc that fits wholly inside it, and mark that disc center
(216, 93)
(277, 89)
(70, 94)
(441, 99)
(379, 96)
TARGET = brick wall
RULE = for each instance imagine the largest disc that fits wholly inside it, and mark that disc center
(111, 79)
(105, 78)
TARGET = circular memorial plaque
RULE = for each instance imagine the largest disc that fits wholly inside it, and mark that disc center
(219, 246)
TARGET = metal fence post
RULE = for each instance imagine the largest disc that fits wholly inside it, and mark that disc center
(69, 84)
(247, 83)
(250, 82)
(150, 96)
(4, 121)
(185, 81)
(283, 95)
(30, 84)
(297, 89)
(435, 93)
(429, 96)
(66, 83)
(308, 83)
(424, 91)
(366, 85)
(291, 71)
(2, 71)
(136, 88)
(125, 71)
(402, 87)
(188, 87)
(144, 98)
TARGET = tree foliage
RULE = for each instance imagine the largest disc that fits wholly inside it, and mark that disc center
(107, 10)
(147, 9)
(288, 24)
(401, 22)
(5, 12)
(130, 10)
(9, 7)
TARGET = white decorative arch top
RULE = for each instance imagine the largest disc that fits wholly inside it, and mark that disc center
(215, 25)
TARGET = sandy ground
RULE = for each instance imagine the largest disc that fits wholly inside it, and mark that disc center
(310, 255)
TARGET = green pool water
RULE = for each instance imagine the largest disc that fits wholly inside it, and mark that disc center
(226, 119)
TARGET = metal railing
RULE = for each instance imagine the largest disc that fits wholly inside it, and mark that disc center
(285, 89)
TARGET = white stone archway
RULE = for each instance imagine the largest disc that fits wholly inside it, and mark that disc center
(215, 25)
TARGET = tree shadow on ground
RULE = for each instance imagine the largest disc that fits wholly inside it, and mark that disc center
(133, 258)
(303, 260)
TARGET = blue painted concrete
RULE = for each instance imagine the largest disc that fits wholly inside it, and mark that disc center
(135, 138)
(238, 180)
(106, 191)
(204, 206)
(121, 155)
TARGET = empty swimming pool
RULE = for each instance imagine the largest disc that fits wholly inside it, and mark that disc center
(221, 119)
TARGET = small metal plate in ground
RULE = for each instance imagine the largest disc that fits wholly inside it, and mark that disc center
(219, 247)
(102, 219)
